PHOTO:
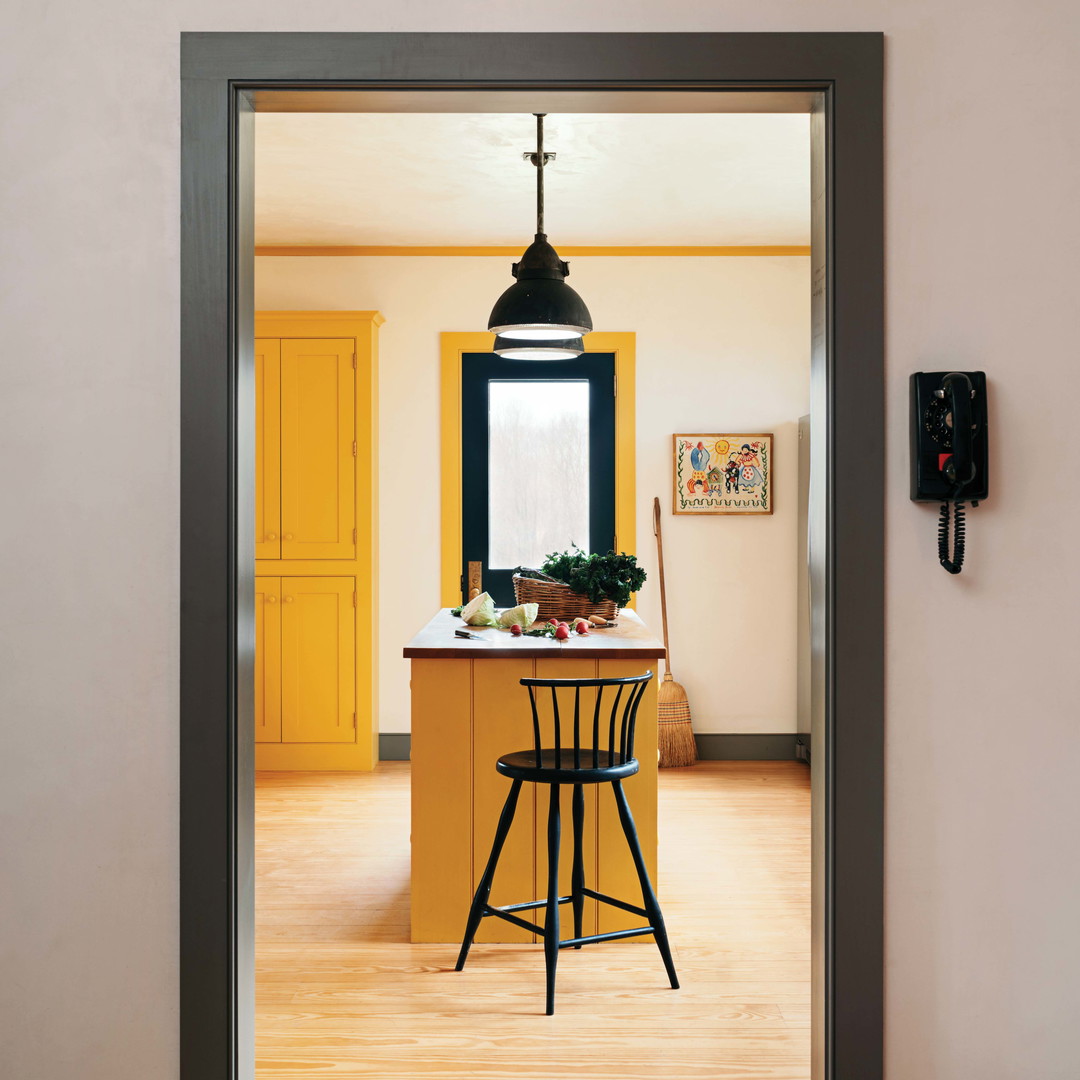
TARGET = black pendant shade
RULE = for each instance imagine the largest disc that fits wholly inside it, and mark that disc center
(540, 304)
(540, 308)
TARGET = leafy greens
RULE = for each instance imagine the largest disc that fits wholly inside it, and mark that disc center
(599, 577)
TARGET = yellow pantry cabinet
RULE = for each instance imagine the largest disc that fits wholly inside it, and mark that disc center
(315, 539)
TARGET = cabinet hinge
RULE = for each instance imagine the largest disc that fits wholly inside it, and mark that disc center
(354, 535)
(354, 598)
(354, 448)
(354, 719)
(614, 385)
(354, 361)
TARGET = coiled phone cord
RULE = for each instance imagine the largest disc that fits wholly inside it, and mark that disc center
(956, 563)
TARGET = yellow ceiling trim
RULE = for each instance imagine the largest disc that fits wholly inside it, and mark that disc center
(513, 252)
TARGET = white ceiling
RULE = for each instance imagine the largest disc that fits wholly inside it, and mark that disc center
(459, 179)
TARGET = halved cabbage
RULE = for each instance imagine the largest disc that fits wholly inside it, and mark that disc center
(524, 615)
(480, 611)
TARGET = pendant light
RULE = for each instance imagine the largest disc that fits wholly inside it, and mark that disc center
(540, 317)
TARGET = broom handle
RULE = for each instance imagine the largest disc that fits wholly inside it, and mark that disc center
(663, 590)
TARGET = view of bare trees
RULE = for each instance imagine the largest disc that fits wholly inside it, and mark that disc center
(538, 470)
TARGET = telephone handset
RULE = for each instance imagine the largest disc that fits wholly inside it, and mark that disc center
(949, 451)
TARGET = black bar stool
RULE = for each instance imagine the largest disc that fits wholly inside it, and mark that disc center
(575, 764)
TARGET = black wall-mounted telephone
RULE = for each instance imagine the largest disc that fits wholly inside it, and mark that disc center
(949, 450)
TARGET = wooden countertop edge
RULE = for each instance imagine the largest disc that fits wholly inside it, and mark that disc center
(531, 652)
(630, 640)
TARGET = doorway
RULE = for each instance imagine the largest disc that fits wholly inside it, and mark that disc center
(838, 78)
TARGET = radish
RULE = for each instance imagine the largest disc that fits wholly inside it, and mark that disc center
(562, 631)
(515, 630)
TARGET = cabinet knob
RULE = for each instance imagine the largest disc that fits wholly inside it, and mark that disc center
(288, 599)
(288, 536)
(271, 599)
(271, 536)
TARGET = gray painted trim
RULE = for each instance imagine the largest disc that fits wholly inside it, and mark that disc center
(217, 590)
(394, 745)
(745, 747)
(848, 521)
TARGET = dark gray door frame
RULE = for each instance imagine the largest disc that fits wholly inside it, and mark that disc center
(221, 74)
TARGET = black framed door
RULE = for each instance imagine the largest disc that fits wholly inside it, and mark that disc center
(537, 462)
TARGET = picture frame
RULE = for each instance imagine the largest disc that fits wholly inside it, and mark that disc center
(728, 473)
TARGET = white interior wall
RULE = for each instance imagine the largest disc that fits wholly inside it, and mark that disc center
(722, 345)
(982, 940)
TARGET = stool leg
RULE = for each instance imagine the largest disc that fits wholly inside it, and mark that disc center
(483, 890)
(551, 923)
(577, 883)
(651, 904)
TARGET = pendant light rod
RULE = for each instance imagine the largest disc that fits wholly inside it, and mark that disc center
(540, 161)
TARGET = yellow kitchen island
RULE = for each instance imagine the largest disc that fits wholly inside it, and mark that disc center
(468, 709)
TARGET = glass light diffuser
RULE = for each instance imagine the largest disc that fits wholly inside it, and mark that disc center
(562, 348)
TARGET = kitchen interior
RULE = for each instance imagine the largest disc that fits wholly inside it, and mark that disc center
(443, 511)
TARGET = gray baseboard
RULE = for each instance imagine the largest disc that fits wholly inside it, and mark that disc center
(394, 746)
(735, 747)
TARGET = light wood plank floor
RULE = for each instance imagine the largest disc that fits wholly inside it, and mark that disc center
(341, 992)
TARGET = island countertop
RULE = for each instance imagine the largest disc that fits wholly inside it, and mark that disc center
(629, 639)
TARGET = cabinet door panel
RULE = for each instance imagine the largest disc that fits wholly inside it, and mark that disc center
(318, 660)
(267, 448)
(318, 468)
(267, 659)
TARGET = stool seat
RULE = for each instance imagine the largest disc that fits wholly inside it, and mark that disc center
(557, 766)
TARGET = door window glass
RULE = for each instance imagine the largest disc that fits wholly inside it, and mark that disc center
(538, 470)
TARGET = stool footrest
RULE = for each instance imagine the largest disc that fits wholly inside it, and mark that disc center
(529, 904)
(605, 899)
(615, 935)
(507, 917)
(506, 913)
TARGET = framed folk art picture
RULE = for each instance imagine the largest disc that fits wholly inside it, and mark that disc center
(722, 474)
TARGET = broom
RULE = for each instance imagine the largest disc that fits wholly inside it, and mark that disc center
(676, 735)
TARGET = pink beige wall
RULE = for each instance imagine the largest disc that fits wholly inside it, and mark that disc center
(983, 167)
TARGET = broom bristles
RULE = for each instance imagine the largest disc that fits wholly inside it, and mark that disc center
(676, 734)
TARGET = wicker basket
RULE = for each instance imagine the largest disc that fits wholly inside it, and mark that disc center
(558, 601)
